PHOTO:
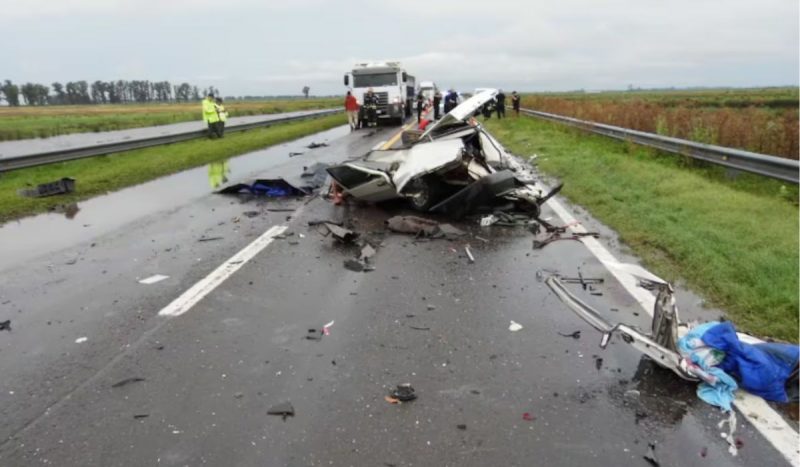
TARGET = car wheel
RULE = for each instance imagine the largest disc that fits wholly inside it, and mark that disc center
(423, 193)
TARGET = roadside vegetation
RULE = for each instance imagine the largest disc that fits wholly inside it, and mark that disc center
(40, 122)
(761, 120)
(98, 175)
(733, 240)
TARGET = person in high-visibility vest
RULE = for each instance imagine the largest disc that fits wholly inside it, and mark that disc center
(223, 117)
(210, 115)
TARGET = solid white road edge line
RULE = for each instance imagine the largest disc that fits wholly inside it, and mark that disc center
(766, 420)
(202, 288)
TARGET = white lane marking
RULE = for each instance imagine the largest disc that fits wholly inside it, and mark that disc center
(202, 288)
(763, 417)
(153, 279)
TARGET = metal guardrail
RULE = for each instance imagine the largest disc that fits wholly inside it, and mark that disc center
(780, 168)
(61, 155)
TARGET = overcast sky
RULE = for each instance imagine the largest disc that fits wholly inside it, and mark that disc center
(264, 47)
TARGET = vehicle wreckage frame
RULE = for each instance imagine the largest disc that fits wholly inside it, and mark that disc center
(455, 167)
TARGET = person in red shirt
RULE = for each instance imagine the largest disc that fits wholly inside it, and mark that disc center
(351, 107)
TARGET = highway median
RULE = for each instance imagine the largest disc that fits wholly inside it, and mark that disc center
(102, 174)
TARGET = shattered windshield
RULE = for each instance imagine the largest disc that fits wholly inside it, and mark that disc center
(375, 80)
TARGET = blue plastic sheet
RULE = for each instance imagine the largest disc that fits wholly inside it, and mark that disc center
(761, 369)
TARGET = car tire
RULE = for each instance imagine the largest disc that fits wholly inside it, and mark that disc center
(424, 192)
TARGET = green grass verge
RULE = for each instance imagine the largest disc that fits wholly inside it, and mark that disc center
(735, 241)
(98, 175)
(40, 122)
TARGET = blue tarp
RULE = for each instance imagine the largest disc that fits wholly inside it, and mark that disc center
(761, 369)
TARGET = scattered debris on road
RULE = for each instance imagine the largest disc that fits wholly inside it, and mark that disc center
(514, 327)
(422, 228)
(528, 417)
(5, 325)
(284, 410)
(340, 233)
(315, 145)
(127, 381)
(403, 393)
(574, 335)
(292, 154)
(650, 457)
(81, 340)
(419, 328)
(271, 188)
(469, 254)
(141, 416)
(59, 187)
(153, 279)
(710, 353)
(209, 239)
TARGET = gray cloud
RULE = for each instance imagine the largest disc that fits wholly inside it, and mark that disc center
(256, 47)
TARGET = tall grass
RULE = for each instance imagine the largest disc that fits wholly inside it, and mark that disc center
(40, 122)
(753, 122)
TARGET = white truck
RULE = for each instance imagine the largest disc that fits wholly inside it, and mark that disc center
(390, 83)
(428, 89)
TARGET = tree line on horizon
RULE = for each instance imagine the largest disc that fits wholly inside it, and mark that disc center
(100, 92)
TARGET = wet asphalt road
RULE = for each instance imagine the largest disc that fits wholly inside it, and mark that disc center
(425, 316)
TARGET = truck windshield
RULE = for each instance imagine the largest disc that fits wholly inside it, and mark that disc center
(381, 79)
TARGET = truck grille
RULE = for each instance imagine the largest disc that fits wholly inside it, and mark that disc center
(383, 100)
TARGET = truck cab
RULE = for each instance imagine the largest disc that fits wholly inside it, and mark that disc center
(393, 86)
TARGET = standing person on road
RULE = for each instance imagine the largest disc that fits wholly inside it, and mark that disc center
(223, 117)
(210, 115)
(420, 105)
(371, 106)
(437, 100)
(450, 101)
(351, 107)
(500, 104)
(515, 102)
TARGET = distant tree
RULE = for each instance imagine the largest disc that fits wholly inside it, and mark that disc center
(11, 93)
(183, 92)
(98, 92)
(195, 93)
(34, 93)
(306, 90)
(60, 97)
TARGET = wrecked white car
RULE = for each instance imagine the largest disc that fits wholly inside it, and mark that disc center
(455, 167)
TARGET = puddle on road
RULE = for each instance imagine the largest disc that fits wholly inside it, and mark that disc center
(34, 236)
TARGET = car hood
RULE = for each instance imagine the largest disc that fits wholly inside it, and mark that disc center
(462, 112)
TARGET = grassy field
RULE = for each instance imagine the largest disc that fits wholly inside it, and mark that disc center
(733, 241)
(761, 120)
(98, 175)
(36, 122)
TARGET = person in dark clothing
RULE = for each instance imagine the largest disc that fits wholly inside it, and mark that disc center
(371, 107)
(450, 101)
(515, 102)
(487, 110)
(500, 104)
(420, 105)
(437, 100)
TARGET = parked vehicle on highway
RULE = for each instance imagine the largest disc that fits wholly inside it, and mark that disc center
(455, 167)
(428, 89)
(393, 86)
